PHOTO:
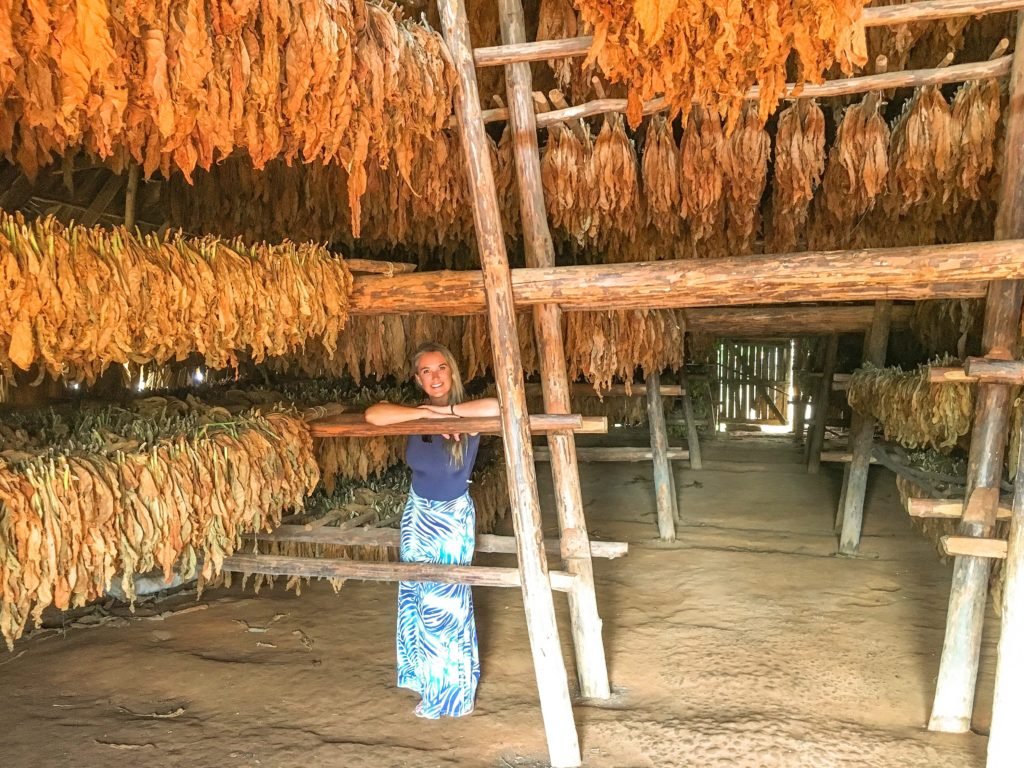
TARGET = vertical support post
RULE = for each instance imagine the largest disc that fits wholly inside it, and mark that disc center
(131, 194)
(1004, 742)
(862, 437)
(692, 436)
(585, 622)
(659, 450)
(821, 399)
(961, 647)
(549, 667)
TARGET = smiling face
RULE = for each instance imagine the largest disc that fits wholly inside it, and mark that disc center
(435, 376)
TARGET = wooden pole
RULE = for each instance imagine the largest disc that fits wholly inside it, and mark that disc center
(549, 667)
(861, 440)
(961, 649)
(1004, 747)
(692, 436)
(909, 78)
(585, 622)
(662, 468)
(131, 194)
(751, 322)
(912, 272)
(821, 400)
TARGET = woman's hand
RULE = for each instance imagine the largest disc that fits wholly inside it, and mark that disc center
(439, 412)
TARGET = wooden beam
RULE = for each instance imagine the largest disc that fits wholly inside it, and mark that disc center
(580, 389)
(821, 404)
(909, 78)
(103, 199)
(948, 509)
(322, 568)
(862, 437)
(602, 454)
(913, 272)
(388, 268)
(663, 495)
(754, 322)
(542, 50)
(839, 457)
(390, 538)
(961, 649)
(17, 194)
(1004, 747)
(355, 425)
(971, 546)
(995, 371)
(549, 667)
(585, 622)
(938, 375)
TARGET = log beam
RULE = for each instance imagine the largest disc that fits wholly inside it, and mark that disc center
(912, 273)
(389, 538)
(923, 10)
(549, 667)
(961, 649)
(581, 389)
(991, 549)
(355, 425)
(585, 621)
(663, 485)
(612, 453)
(861, 438)
(947, 509)
(995, 371)
(752, 322)
(323, 568)
(821, 403)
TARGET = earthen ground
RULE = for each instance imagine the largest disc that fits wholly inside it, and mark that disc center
(746, 643)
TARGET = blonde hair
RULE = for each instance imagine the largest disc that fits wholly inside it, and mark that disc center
(457, 394)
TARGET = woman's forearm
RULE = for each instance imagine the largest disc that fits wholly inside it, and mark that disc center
(486, 406)
(392, 413)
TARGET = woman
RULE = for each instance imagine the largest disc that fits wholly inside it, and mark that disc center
(437, 650)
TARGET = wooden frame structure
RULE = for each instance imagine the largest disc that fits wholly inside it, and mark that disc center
(966, 270)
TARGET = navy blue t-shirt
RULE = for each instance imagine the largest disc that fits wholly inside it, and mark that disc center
(433, 476)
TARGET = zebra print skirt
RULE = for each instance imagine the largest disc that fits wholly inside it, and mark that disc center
(437, 649)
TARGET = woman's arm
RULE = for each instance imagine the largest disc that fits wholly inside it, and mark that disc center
(392, 413)
(485, 406)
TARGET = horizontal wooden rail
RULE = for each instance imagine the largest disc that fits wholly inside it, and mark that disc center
(355, 425)
(962, 270)
(389, 537)
(751, 322)
(974, 547)
(948, 509)
(840, 457)
(500, 55)
(995, 371)
(595, 454)
(307, 567)
(616, 390)
(949, 376)
(910, 78)
(379, 267)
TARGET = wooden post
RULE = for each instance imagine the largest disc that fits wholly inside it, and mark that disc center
(692, 436)
(1004, 747)
(549, 667)
(585, 622)
(131, 194)
(659, 449)
(821, 399)
(961, 648)
(861, 439)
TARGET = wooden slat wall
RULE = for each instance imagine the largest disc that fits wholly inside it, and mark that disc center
(745, 369)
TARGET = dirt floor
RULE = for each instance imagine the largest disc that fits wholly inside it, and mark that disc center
(747, 643)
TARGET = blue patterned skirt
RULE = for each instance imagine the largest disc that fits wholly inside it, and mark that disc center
(437, 650)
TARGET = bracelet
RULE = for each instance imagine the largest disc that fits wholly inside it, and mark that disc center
(452, 406)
